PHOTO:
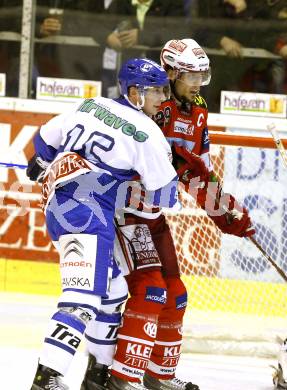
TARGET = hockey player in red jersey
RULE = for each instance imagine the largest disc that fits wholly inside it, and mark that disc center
(150, 336)
(183, 120)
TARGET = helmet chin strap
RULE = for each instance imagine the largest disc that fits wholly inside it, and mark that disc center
(142, 97)
(137, 106)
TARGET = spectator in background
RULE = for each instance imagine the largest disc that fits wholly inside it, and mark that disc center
(133, 31)
(240, 24)
(140, 32)
(228, 36)
(258, 78)
(86, 18)
(80, 18)
(10, 29)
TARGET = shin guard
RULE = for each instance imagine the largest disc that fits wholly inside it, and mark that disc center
(139, 326)
(167, 349)
(65, 332)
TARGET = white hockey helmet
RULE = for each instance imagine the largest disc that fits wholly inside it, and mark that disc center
(185, 55)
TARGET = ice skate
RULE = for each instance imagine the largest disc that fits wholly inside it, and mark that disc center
(280, 373)
(96, 376)
(115, 383)
(278, 379)
(48, 379)
(167, 384)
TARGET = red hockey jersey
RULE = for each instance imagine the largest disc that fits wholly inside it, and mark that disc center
(185, 126)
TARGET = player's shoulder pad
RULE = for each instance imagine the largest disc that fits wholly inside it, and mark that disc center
(199, 101)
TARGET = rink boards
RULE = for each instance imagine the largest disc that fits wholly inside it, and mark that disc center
(44, 278)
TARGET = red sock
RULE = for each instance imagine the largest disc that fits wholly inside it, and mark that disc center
(167, 348)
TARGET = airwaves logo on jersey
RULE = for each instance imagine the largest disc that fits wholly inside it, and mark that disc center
(112, 120)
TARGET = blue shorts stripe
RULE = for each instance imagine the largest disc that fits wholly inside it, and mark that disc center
(111, 301)
(100, 342)
(60, 345)
(70, 320)
(109, 318)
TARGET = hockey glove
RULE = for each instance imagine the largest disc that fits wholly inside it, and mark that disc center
(222, 208)
(192, 171)
(228, 215)
(36, 169)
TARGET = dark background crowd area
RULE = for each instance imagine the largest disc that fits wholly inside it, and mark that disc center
(246, 40)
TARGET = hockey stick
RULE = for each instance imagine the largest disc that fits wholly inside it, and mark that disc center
(251, 238)
(271, 261)
(278, 142)
(11, 165)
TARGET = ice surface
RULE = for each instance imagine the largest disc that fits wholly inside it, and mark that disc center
(23, 320)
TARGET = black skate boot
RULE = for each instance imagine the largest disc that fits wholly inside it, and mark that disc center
(116, 383)
(47, 379)
(278, 378)
(152, 383)
(280, 374)
(96, 376)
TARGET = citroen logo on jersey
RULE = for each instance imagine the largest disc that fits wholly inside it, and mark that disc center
(74, 246)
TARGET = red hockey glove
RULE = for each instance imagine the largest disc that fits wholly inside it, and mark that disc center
(193, 172)
(231, 218)
(222, 208)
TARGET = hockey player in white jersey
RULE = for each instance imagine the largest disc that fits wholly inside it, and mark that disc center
(92, 151)
(280, 374)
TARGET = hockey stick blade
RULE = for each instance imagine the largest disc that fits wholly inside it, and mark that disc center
(278, 142)
(11, 165)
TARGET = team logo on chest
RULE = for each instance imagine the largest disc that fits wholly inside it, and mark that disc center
(183, 128)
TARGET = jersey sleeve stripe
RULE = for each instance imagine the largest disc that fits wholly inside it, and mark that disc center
(44, 151)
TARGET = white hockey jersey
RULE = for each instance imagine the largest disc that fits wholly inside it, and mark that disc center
(112, 138)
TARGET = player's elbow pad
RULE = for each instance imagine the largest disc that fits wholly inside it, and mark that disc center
(43, 150)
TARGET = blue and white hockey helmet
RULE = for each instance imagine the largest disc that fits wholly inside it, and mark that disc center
(141, 72)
